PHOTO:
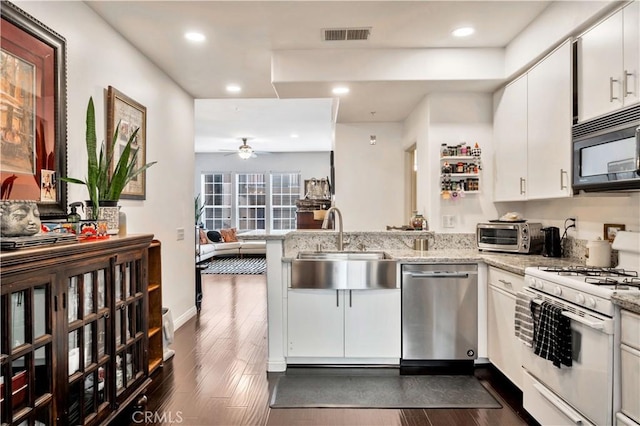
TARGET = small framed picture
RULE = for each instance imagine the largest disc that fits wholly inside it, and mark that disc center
(610, 231)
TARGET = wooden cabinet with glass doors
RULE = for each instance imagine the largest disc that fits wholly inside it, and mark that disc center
(74, 331)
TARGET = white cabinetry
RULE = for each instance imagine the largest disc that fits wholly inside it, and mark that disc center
(504, 347)
(549, 117)
(343, 323)
(315, 323)
(532, 131)
(629, 369)
(510, 141)
(608, 64)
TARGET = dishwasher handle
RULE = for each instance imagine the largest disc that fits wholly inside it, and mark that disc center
(440, 274)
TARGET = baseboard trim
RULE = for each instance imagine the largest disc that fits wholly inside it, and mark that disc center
(276, 365)
(182, 319)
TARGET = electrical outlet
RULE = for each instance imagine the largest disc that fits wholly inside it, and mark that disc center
(575, 223)
(180, 234)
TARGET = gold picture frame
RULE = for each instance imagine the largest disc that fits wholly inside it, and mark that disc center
(131, 115)
(610, 231)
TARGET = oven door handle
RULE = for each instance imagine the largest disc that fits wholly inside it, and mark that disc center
(605, 326)
(560, 405)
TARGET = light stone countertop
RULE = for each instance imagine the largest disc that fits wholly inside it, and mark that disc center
(515, 263)
(630, 302)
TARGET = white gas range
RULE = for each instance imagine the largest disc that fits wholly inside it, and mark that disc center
(583, 393)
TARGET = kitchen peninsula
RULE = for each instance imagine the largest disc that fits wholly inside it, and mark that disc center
(283, 248)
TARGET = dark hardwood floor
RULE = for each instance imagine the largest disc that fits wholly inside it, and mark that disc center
(218, 375)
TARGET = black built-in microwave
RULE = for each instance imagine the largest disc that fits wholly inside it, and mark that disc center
(606, 152)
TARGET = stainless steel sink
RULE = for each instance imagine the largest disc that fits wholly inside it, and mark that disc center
(344, 270)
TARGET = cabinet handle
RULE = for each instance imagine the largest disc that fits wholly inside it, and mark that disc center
(563, 172)
(350, 304)
(522, 182)
(338, 298)
(64, 300)
(625, 83)
(611, 81)
(55, 303)
(506, 283)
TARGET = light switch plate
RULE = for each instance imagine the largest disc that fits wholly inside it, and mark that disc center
(448, 221)
(180, 234)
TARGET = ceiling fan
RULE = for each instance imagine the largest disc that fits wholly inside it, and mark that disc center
(245, 151)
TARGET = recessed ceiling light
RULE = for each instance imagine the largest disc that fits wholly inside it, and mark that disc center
(294, 135)
(340, 90)
(463, 32)
(193, 36)
(233, 88)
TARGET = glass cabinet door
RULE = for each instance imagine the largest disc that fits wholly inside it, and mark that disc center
(129, 324)
(89, 359)
(26, 352)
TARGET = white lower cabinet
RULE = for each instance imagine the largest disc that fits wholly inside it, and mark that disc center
(629, 369)
(504, 348)
(343, 323)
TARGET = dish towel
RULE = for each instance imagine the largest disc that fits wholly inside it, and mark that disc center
(523, 321)
(552, 335)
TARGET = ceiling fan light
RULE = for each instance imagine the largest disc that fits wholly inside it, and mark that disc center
(245, 151)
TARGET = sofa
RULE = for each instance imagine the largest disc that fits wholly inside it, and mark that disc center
(209, 245)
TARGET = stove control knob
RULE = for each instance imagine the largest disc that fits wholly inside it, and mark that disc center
(557, 291)
(591, 302)
(580, 298)
(539, 285)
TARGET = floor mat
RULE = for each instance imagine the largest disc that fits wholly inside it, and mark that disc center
(232, 265)
(388, 391)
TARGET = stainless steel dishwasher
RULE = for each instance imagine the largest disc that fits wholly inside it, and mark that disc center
(439, 315)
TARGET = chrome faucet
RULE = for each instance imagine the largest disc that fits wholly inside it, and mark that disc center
(325, 224)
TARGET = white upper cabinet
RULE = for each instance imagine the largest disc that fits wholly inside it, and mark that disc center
(532, 131)
(608, 64)
(631, 25)
(549, 118)
(510, 141)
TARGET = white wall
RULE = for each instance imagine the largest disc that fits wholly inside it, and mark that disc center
(452, 118)
(591, 211)
(370, 178)
(98, 57)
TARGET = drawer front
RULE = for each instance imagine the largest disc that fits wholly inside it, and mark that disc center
(507, 281)
(630, 329)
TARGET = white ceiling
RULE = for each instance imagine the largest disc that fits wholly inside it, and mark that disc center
(242, 36)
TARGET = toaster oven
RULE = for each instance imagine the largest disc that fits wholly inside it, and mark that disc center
(511, 237)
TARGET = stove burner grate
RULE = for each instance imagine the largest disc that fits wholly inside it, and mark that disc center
(590, 271)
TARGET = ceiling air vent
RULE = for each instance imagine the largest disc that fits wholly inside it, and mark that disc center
(344, 34)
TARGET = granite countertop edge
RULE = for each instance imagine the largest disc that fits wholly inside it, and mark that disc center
(515, 263)
(630, 302)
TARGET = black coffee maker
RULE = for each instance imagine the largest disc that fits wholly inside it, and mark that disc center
(551, 242)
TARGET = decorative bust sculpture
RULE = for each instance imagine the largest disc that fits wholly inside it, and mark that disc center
(19, 218)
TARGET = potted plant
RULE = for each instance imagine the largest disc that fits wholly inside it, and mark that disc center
(103, 186)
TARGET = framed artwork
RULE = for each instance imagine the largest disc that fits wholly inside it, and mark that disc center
(130, 115)
(610, 231)
(33, 112)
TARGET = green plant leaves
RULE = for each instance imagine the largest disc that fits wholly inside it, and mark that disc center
(100, 182)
